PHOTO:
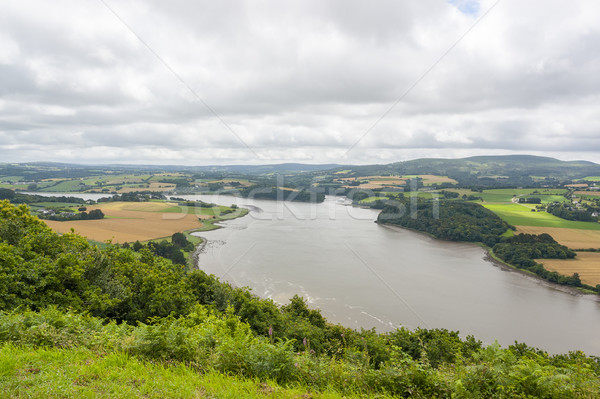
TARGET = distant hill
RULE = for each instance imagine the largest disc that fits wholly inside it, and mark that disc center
(488, 165)
(482, 171)
(510, 170)
(47, 170)
(262, 169)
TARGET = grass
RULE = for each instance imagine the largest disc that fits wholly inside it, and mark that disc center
(547, 199)
(14, 186)
(507, 194)
(11, 179)
(82, 373)
(520, 214)
(372, 199)
(495, 197)
(463, 191)
(64, 186)
(592, 178)
(210, 224)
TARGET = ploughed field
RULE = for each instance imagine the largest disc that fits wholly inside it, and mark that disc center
(131, 221)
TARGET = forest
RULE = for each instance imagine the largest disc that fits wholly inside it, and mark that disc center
(445, 219)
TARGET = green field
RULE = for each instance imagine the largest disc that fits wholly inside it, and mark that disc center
(372, 199)
(592, 178)
(547, 199)
(495, 197)
(463, 191)
(14, 186)
(521, 215)
(196, 210)
(507, 194)
(65, 186)
(109, 182)
(12, 179)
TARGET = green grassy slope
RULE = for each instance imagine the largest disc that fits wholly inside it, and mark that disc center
(521, 215)
(84, 373)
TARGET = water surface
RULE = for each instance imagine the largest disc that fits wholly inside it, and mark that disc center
(364, 275)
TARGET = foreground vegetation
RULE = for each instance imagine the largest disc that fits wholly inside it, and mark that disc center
(78, 320)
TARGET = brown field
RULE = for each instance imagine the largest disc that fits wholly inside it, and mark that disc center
(154, 186)
(376, 181)
(578, 185)
(587, 264)
(131, 221)
(586, 193)
(461, 191)
(572, 238)
(433, 179)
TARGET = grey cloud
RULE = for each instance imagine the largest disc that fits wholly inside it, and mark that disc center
(296, 81)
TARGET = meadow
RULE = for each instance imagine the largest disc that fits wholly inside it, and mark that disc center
(85, 373)
(507, 195)
(522, 215)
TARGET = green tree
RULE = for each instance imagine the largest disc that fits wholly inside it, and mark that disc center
(179, 239)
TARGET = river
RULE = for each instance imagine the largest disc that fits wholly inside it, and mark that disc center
(364, 275)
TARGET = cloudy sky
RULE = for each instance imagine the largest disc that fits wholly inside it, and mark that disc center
(255, 82)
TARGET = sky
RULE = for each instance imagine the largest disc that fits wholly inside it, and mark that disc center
(312, 81)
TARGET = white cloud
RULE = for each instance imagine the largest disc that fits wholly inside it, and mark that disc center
(298, 81)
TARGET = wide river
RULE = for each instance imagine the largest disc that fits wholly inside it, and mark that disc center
(363, 275)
